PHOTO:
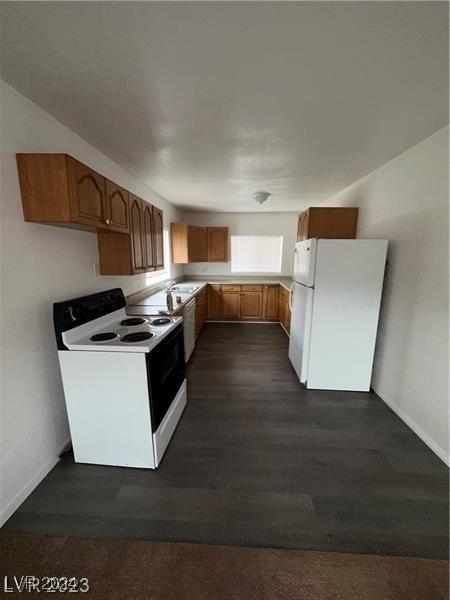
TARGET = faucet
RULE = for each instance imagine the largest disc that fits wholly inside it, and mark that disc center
(169, 299)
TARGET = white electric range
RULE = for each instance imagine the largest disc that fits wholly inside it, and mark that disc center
(123, 378)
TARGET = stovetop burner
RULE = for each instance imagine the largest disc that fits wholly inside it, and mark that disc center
(132, 322)
(162, 321)
(139, 336)
(104, 337)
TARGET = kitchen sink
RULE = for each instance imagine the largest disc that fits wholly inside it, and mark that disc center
(184, 290)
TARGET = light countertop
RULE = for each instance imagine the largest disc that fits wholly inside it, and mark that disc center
(142, 306)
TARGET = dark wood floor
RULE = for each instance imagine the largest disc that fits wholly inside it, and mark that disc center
(258, 460)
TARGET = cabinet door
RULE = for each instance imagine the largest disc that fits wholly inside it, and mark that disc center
(271, 302)
(198, 319)
(137, 234)
(198, 244)
(214, 302)
(158, 238)
(218, 244)
(231, 305)
(251, 306)
(148, 233)
(87, 195)
(116, 207)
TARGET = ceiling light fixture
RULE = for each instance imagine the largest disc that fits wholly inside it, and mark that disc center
(261, 196)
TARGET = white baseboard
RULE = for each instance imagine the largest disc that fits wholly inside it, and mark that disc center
(26, 490)
(440, 452)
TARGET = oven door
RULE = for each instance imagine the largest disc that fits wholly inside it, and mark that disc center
(165, 374)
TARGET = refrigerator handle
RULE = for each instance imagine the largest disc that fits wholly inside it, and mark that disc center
(290, 296)
(293, 261)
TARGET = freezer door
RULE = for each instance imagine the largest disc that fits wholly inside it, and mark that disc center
(304, 262)
(302, 302)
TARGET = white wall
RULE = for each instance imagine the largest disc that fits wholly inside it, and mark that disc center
(284, 224)
(406, 202)
(41, 264)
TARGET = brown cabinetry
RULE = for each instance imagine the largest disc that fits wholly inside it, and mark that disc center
(333, 223)
(87, 194)
(271, 301)
(217, 244)
(214, 302)
(148, 241)
(200, 310)
(57, 189)
(233, 302)
(137, 235)
(139, 251)
(231, 305)
(251, 306)
(116, 207)
(158, 229)
(198, 244)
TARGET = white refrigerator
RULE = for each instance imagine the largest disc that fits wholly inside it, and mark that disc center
(335, 303)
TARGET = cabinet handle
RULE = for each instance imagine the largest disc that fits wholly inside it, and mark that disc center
(108, 222)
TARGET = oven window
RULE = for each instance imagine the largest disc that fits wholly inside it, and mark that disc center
(165, 372)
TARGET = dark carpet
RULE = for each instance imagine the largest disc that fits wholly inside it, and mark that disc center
(173, 571)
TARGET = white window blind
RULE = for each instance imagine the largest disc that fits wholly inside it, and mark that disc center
(256, 253)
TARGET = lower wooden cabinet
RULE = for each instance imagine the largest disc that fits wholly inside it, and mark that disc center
(231, 306)
(271, 301)
(251, 306)
(232, 302)
(201, 306)
(214, 302)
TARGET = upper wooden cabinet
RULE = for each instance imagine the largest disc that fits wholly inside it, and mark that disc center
(333, 223)
(198, 244)
(86, 194)
(139, 251)
(57, 189)
(148, 236)
(137, 235)
(217, 244)
(158, 238)
(116, 209)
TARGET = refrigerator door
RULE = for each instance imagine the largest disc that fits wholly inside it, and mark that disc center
(302, 302)
(347, 294)
(304, 262)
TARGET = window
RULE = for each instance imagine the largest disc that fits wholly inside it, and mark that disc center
(151, 278)
(256, 253)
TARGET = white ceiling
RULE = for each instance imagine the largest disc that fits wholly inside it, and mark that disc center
(208, 102)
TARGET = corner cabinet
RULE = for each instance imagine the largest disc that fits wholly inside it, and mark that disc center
(139, 252)
(198, 244)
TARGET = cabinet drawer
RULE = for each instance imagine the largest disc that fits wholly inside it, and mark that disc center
(231, 288)
(252, 288)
